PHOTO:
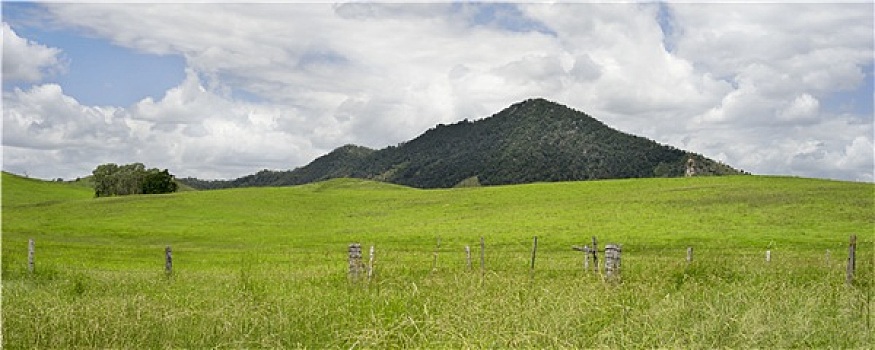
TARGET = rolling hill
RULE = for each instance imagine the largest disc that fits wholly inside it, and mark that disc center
(531, 141)
(21, 191)
(267, 266)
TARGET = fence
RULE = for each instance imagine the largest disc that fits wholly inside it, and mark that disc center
(610, 270)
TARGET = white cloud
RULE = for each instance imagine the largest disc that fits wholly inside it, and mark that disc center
(187, 103)
(782, 67)
(44, 118)
(803, 107)
(48, 134)
(627, 71)
(27, 61)
(43, 127)
(743, 83)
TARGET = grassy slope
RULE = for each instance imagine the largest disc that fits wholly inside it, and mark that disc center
(717, 212)
(20, 191)
(279, 255)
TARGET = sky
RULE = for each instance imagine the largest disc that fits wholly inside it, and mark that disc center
(223, 90)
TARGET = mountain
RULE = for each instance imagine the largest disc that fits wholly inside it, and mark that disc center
(531, 141)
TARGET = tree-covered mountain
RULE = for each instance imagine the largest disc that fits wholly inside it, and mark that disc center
(531, 141)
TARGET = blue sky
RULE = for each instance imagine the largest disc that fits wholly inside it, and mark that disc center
(98, 72)
(224, 90)
(856, 100)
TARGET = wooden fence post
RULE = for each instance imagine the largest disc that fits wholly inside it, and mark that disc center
(468, 257)
(168, 261)
(371, 263)
(534, 250)
(595, 255)
(355, 260)
(852, 260)
(612, 261)
(585, 250)
(689, 255)
(31, 252)
(586, 258)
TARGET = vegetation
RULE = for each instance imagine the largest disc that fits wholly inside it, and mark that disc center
(114, 180)
(337, 164)
(266, 267)
(531, 141)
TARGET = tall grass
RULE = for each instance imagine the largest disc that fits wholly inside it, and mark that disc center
(660, 302)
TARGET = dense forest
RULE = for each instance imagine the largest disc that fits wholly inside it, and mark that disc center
(531, 141)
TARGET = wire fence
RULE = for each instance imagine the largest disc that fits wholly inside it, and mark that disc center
(420, 257)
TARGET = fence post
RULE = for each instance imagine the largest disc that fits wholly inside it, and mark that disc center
(168, 261)
(31, 252)
(371, 263)
(612, 261)
(689, 255)
(586, 258)
(768, 255)
(468, 257)
(852, 260)
(355, 260)
(534, 250)
(595, 255)
(585, 250)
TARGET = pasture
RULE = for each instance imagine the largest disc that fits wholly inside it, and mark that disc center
(267, 267)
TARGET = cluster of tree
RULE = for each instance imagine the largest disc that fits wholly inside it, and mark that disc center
(531, 141)
(119, 180)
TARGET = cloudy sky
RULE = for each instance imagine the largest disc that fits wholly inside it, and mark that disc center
(224, 90)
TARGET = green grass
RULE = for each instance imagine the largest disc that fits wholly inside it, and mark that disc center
(19, 191)
(267, 267)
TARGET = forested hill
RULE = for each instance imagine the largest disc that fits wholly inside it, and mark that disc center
(531, 141)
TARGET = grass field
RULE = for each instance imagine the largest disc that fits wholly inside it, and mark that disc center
(267, 267)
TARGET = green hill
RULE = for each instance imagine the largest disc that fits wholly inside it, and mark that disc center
(531, 141)
(21, 191)
(744, 211)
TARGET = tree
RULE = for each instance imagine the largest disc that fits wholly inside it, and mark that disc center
(114, 180)
(158, 182)
(104, 179)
